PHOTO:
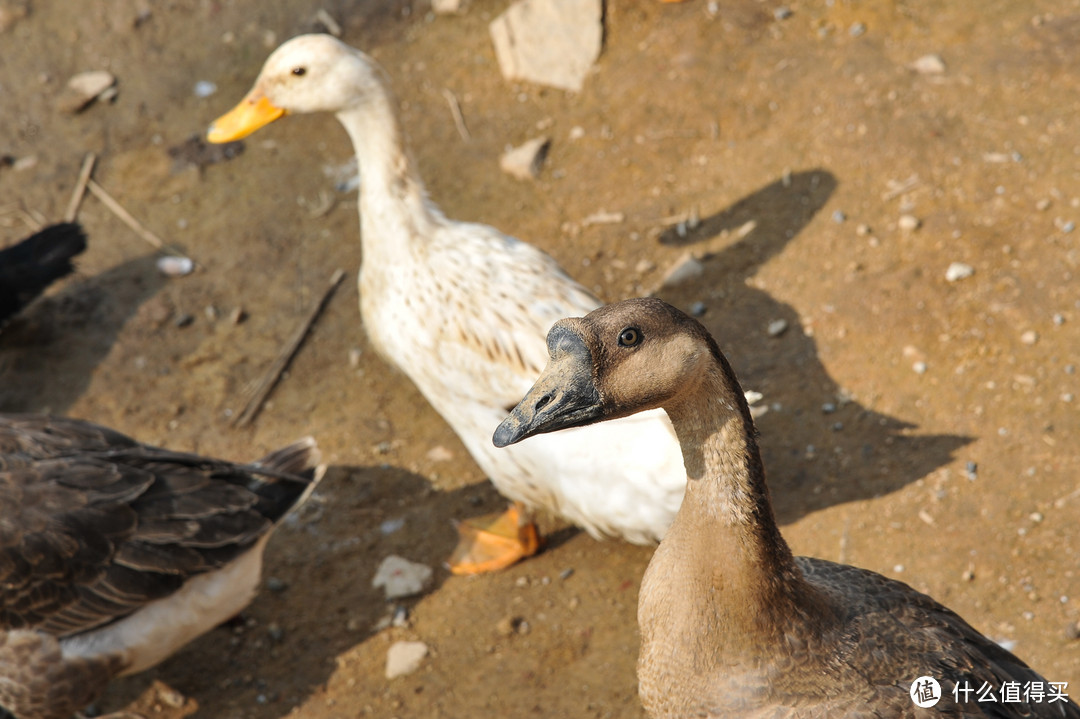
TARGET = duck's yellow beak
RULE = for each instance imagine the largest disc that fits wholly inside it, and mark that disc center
(253, 112)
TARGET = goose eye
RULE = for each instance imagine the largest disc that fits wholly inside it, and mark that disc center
(629, 337)
(299, 71)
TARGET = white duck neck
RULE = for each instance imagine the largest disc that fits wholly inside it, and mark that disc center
(393, 202)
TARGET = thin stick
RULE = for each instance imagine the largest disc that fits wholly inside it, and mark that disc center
(99, 192)
(455, 110)
(80, 187)
(270, 379)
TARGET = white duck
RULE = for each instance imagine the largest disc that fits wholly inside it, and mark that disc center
(114, 554)
(463, 310)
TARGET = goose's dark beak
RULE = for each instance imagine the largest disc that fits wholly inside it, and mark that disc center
(564, 396)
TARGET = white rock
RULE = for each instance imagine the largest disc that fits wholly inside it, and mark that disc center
(931, 64)
(908, 223)
(685, 268)
(959, 271)
(404, 658)
(446, 7)
(524, 162)
(550, 42)
(84, 88)
(173, 266)
(777, 327)
(401, 578)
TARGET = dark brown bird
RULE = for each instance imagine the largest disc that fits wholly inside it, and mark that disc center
(114, 554)
(29, 266)
(732, 625)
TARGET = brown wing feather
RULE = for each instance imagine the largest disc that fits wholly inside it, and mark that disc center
(94, 525)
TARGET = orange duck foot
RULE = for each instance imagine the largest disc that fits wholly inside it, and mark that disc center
(494, 541)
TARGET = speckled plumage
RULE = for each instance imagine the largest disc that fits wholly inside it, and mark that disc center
(113, 554)
(462, 309)
(732, 625)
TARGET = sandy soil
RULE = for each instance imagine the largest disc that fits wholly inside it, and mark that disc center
(960, 480)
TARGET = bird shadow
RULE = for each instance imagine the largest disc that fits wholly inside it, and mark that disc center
(316, 593)
(820, 447)
(49, 351)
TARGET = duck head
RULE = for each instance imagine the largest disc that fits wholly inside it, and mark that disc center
(309, 73)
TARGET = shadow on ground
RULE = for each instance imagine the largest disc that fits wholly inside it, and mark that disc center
(48, 352)
(814, 458)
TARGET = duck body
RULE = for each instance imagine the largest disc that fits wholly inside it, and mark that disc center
(732, 624)
(29, 266)
(114, 554)
(462, 309)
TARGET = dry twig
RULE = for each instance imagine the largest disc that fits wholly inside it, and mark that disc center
(80, 187)
(270, 379)
(455, 110)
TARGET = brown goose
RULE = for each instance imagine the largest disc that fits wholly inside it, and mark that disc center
(114, 554)
(732, 624)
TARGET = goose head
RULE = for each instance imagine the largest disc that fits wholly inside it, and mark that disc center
(309, 73)
(618, 360)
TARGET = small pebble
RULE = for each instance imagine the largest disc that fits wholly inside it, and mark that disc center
(1043, 205)
(183, 320)
(354, 357)
(1072, 631)
(857, 30)
(525, 161)
(1030, 337)
(275, 632)
(1058, 319)
(698, 309)
(1036, 517)
(685, 268)
(391, 525)
(919, 367)
(205, 88)
(273, 584)
(828, 408)
(908, 223)
(401, 578)
(958, 271)
(171, 266)
(931, 64)
(777, 327)
(838, 216)
(577, 132)
(971, 469)
(404, 658)
(511, 625)
(899, 568)
(862, 229)
(782, 13)
(566, 573)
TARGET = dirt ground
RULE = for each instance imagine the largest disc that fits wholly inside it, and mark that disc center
(799, 142)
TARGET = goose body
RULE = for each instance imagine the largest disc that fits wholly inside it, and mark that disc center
(31, 265)
(114, 554)
(733, 625)
(463, 309)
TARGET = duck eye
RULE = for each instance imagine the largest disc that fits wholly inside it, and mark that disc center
(629, 337)
(299, 71)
